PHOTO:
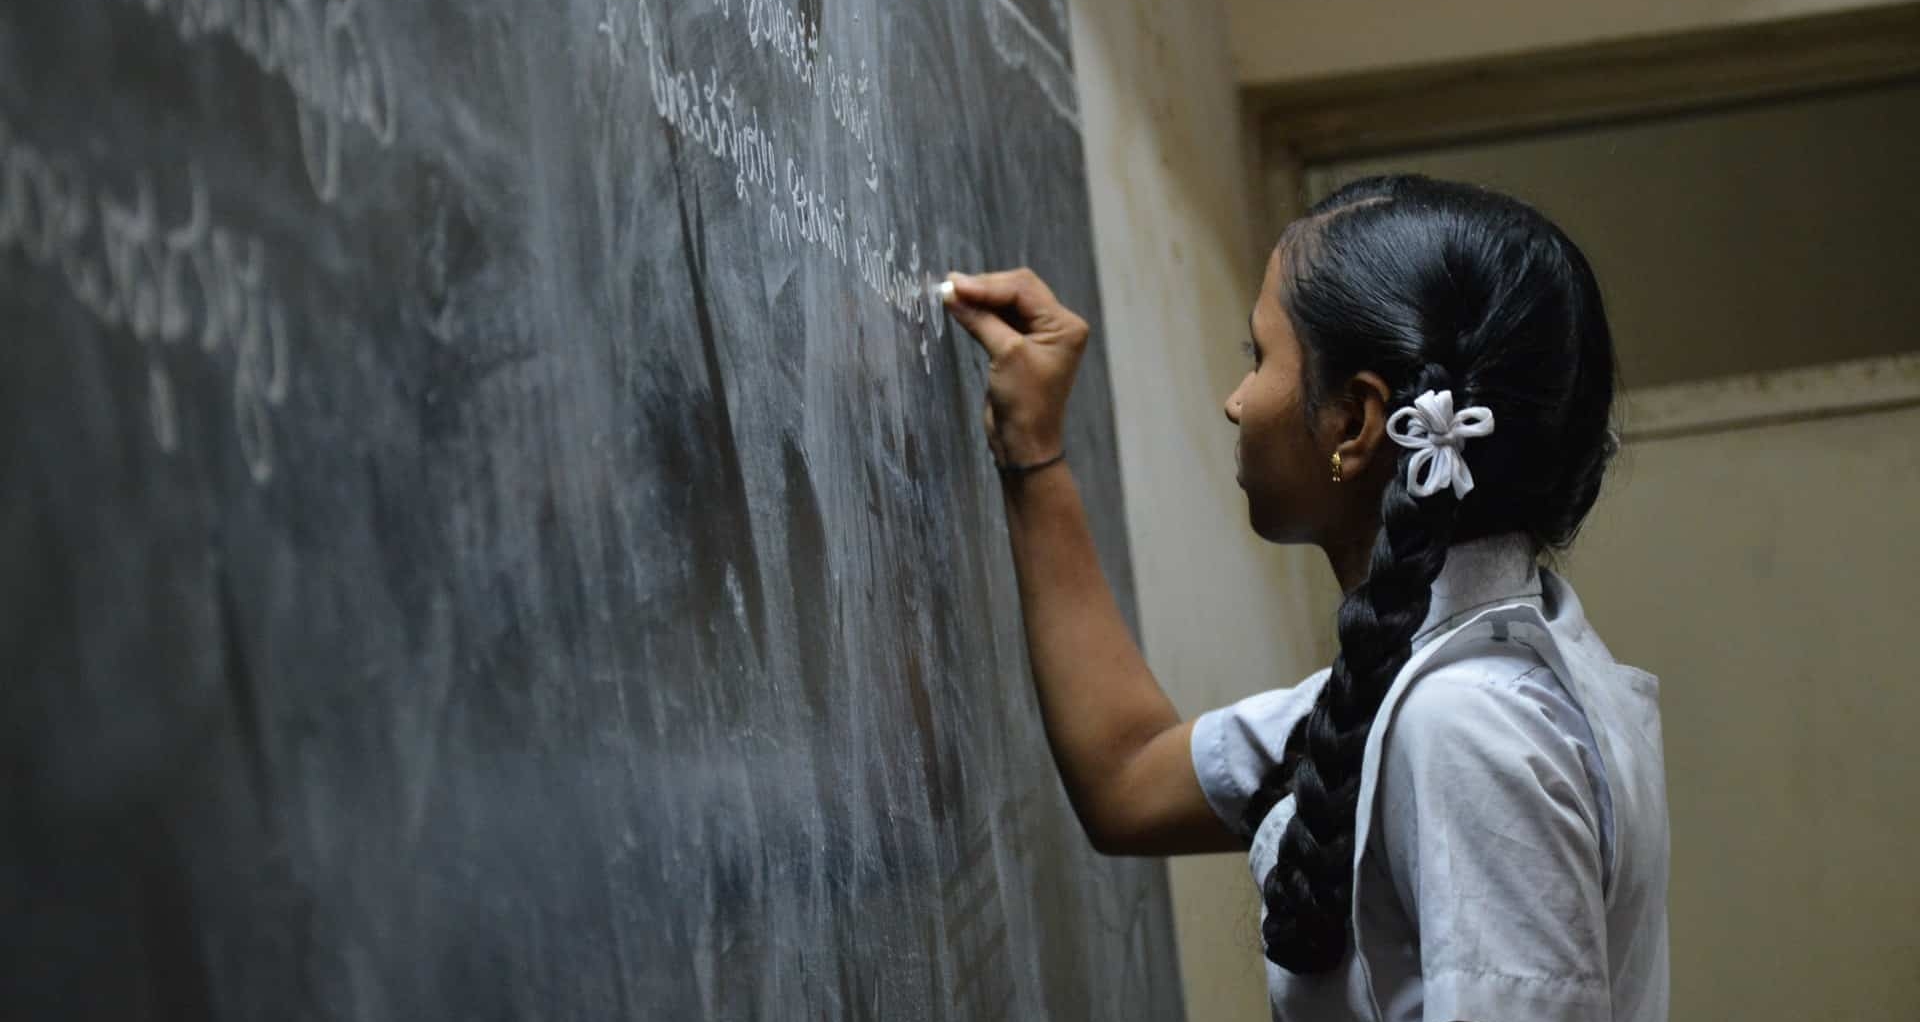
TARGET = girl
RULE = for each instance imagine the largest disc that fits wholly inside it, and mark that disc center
(1464, 817)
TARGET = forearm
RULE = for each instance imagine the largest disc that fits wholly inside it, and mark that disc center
(1099, 702)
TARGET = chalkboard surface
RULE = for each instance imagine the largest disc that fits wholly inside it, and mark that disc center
(495, 526)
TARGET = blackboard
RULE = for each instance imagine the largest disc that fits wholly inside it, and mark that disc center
(495, 526)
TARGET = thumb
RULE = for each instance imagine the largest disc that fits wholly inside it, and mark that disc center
(985, 325)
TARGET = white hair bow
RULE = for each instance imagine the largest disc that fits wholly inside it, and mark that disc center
(1430, 428)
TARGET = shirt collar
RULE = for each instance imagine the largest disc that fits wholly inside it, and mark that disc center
(1482, 573)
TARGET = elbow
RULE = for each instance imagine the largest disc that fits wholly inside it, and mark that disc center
(1102, 840)
(1122, 844)
(1099, 830)
(1108, 833)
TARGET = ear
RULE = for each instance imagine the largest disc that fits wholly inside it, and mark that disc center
(1360, 425)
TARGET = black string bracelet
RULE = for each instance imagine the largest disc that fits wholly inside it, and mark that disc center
(1017, 471)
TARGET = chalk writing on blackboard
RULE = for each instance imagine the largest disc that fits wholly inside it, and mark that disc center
(793, 37)
(324, 50)
(1023, 44)
(702, 105)
(166, 282)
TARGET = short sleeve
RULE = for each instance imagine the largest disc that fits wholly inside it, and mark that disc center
(1234, 746)
(1492, 837)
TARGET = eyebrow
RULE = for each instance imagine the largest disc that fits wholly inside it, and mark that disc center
(1251, 336)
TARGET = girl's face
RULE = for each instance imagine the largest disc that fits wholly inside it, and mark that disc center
(1284, 466)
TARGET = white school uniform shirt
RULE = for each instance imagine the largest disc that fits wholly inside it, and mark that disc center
(1511, 837)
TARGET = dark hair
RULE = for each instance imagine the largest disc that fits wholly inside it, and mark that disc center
(1434, 285)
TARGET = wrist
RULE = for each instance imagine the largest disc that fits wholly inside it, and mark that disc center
(1033, 495)
(1010, 469)
(1018, 443)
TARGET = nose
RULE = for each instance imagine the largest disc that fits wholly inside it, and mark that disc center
(1232, 407)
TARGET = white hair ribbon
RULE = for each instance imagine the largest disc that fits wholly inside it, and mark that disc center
(1436, 434)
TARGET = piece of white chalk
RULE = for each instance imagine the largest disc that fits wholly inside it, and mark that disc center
(946, 292)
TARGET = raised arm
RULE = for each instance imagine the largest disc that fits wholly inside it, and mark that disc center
(1120, 746)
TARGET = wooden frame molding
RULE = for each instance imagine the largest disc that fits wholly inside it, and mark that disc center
(1771, 398)
(1318, 121)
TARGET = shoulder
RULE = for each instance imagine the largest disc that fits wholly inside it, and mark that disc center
(1490, 752)
(1487, 707)
(1491, 742)
(1234, 747)
(1275, 709)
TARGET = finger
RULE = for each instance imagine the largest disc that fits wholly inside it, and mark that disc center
(993, 434)
(986, 326)
(1021, 290)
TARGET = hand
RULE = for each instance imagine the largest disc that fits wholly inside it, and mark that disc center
(1033, 346)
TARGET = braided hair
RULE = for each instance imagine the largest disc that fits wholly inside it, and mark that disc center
(1433, 285)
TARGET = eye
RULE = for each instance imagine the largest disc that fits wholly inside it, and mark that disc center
(1251, 351)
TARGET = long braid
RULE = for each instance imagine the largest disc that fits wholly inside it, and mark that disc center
(1310, 888)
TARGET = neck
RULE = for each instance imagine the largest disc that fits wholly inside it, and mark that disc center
(1349, 556)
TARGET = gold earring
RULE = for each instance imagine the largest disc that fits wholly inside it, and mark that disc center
(1336, 466)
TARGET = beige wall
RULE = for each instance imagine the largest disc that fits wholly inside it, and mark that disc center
(1767, 576)
(1224, 614)
(1290, 40)
(1754, 239)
